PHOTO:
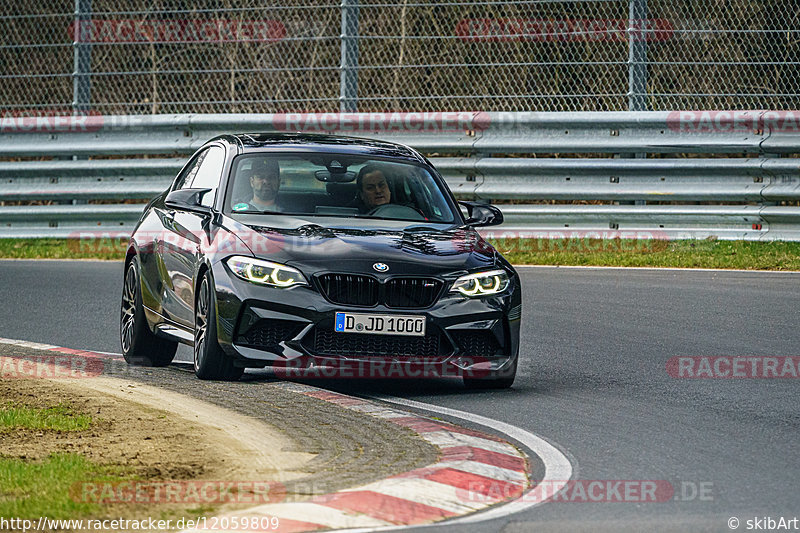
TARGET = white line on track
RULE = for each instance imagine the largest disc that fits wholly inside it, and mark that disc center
(115, 354)
(558, 469)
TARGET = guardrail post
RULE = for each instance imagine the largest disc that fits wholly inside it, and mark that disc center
(82, 57)
(639, 32)
(348, 90)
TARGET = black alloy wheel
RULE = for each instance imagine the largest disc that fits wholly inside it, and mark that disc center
(140, 346)
(210, 362)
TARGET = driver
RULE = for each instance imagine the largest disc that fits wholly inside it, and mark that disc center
(373, 188)
(265, 180)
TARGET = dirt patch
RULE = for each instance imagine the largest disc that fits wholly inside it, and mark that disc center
(185, 458)
(181, 441)
(143, 439)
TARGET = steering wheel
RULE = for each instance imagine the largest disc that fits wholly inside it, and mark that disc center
(396, 211)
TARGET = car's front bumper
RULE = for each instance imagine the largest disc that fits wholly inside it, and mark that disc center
(294, 328)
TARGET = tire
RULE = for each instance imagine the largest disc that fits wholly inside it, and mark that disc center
(500, 379)
(140, 346)
(210, 362)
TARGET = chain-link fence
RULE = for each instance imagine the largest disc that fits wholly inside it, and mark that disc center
(181, 56)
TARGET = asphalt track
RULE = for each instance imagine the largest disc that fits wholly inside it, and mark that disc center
(592, 382)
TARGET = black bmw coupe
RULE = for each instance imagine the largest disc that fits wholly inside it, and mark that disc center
(346, 256)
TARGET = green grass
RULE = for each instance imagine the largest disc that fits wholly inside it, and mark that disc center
(58, 418)
(51, 487)
(68, 485)
(95, 248)
(571, 252)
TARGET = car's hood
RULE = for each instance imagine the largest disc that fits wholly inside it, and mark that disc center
(344, 245)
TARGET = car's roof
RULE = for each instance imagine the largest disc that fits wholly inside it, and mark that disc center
(258, 142)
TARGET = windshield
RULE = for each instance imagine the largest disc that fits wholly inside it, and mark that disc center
(334, 185)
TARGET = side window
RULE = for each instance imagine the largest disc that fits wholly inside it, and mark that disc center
(209, 172)
(184, 180)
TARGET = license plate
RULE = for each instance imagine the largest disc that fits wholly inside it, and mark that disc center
(411, 325)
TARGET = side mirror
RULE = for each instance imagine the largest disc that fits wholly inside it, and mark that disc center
(482, 214)
(188, 200)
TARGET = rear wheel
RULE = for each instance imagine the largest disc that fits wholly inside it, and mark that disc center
(500, 379)
(140, 346)
(210, 362)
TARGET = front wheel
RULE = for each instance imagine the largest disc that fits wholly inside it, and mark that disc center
(210, 362)
(140, 346)
(499, 379)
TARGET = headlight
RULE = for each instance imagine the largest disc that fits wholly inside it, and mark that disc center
(265, 272)
(481, 283)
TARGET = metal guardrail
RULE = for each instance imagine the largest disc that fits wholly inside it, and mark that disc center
(490, 156)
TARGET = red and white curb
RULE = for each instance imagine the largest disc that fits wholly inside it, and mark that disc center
(55, 362)
(475, 471)
(60, 349)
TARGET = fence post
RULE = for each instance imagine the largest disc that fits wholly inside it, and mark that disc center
(82, 58)
(638, 35)
(348, 90)
(639, 32)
